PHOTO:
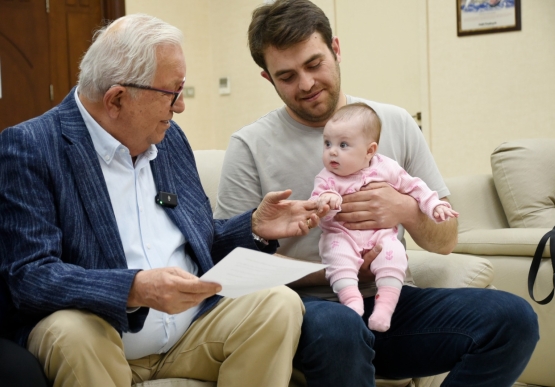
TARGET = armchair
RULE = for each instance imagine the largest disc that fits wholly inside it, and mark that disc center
(502, 218)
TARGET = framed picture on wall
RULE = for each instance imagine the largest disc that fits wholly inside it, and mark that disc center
(487, 16)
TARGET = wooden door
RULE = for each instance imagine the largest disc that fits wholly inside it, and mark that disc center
(72, 25)
(24, 61)
(41, 45)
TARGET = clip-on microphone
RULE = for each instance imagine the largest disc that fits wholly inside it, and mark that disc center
(166, 199)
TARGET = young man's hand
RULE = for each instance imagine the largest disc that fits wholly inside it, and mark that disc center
(376, 205)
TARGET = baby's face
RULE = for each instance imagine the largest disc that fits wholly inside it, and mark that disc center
(346, 148)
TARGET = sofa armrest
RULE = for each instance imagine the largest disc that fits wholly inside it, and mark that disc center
(505, 241)
(209, 167)
(476, 200)
(449, 271)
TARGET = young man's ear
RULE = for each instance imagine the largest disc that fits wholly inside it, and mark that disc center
(266, 76)
(336, 49)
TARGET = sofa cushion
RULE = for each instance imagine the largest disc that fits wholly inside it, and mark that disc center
(524, 176)
(463, 271)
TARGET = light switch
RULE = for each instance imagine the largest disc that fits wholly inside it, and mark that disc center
(225, 87)
(189, 92)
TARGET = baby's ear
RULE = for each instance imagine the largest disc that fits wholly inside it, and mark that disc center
(372, 149)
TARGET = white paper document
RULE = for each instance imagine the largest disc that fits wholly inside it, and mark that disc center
(244, 271)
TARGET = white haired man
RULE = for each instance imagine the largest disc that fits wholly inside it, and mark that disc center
(103, 278)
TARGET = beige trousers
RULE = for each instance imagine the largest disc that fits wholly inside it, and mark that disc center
(245, 342)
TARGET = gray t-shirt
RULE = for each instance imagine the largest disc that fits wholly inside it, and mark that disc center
(276, 152)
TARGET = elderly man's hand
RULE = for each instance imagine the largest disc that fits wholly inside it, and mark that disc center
(279, 218)
(171, 290)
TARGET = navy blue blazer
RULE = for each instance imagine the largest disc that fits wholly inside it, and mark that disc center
(59, 241)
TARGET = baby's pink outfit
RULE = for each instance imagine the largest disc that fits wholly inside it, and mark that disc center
(341, 248)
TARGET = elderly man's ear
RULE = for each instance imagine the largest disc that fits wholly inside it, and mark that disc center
(113, 99)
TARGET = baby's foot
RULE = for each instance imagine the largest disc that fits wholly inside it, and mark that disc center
(384, 306)
(351, 297)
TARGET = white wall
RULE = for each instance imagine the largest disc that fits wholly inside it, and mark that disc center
(487, 89)
(216, 46)
(251, 95)
(475, 92)
(380, 48)
(193, 17)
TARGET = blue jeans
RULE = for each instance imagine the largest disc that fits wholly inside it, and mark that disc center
(483, 337)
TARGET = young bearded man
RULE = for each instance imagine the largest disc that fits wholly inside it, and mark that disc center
(483, 337)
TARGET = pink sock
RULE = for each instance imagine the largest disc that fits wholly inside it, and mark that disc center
(350, 296)
(384, 306)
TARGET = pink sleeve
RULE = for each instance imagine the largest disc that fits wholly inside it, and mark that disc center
(323, 184)
(427, 199)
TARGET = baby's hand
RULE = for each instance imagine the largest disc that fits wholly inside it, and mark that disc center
(442, 213)
(330, 199)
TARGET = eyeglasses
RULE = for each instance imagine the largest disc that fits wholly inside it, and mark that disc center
(175, 94)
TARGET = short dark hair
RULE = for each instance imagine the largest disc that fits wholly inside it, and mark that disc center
(285, 23)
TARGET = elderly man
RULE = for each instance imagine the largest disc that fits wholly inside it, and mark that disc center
(104, 278)
(484, 337)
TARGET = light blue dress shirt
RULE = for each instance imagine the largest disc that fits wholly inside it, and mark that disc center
(150, 239)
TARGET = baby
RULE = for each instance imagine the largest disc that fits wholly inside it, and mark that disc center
(351, 139)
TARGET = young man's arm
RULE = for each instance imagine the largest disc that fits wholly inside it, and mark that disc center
(438, 238)
(378, 205)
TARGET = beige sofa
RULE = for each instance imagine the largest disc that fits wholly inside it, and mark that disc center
(502, 218)
(429, 270)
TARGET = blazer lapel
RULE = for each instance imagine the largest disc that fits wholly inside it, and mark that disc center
(164, 182)
(90, 182)
(188, 216)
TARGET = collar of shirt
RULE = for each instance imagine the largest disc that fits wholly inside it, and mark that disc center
(104, 143)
